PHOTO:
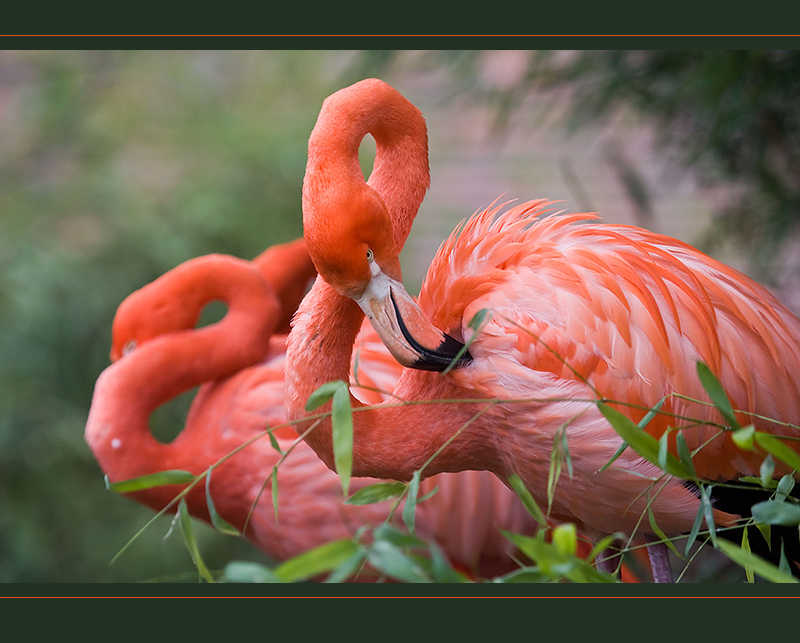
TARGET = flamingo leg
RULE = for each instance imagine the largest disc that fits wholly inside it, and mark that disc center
(659, 561)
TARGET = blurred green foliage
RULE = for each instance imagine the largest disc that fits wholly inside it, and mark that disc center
(115, 166)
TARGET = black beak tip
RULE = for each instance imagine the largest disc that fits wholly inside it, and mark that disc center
(450, 353)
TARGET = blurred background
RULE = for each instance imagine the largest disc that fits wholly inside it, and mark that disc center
(116, 166)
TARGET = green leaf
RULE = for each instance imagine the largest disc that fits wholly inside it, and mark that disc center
(524, 575)
(748, 570)
(248, 572)
(559, 455)
(191, 542)
(397, 537)
(698, 521)
(553, 562)
(783, 564)
(377, 492)
(765, 569)
(663, 449)
(651, 413)
(773, 512)
(717, 394)
(316, 561)
(440, 568)
(785, 487)
(274, 442)
(348, 568)
(744, 437)
(392, 561)
(642, 442)
(159, 479)
(684, 454)
(565, 538)
(766, 471)
(603, 544)
(342, 426)
(527, 499)
(410, 507)
(323, 394)
(642, 424)
(220, 524)
(708, 512)
(778, 448)
(274, 485)
(658, 532)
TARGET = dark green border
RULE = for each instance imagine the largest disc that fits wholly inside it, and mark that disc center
(210, 41)
(397, 590)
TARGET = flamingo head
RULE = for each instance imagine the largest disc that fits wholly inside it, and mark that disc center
(351, 240)
(175, 301)
(144, 315)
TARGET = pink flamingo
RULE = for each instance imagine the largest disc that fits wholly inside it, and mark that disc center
(239, 364)
(574, 312)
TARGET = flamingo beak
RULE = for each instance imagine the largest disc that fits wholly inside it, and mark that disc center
(405, 330)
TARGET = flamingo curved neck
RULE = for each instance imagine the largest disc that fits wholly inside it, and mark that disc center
(130, 389)
(401, 172)
(392, 440)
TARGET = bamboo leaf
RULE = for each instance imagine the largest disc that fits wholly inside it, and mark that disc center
(274, 485)
(773, 512)
(748, 570)
(783, 564)
(708, 512)
(717, 394)
(397, 537)
(342, 426)
(410, 507)
(643, 443)
(348, 568)
(660, 533)
(785, 486)
(778, 448)
(189, 538)
(767, 470)
(684, 454)
(440, 568)
(642, 424)
(765, 569)
(524, 575)
(376, 493)
(248, 572)
(663, 450)
(744, 438)
(527, 499)
(323, 394)
(698, 521)
(219, 523)
(158, 479)
(392, 561)
(316, 561)
(616, 455)
(565, 538)
(274, 442)
(651, 413)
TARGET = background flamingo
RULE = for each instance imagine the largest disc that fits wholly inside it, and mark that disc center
(578, 311)
(155, 347)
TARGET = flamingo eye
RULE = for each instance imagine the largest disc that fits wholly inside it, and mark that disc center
(129, 346)
(370, 255)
